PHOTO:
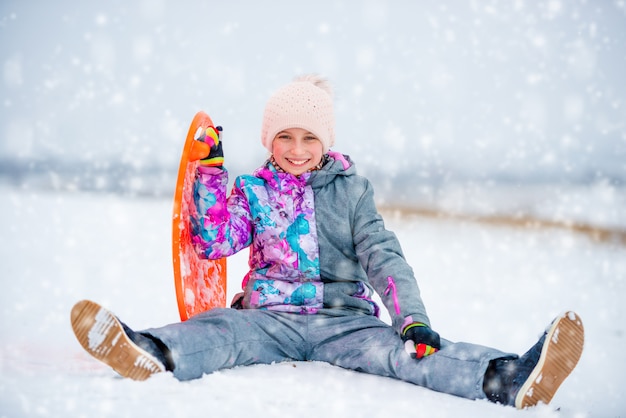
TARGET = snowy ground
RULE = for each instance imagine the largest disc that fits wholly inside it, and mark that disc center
(490, 285)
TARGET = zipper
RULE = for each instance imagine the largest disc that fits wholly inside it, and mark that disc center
(391, 287)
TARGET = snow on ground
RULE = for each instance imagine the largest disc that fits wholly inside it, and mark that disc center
(491, 285)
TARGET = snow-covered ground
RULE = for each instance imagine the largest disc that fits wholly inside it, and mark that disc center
(491, 285)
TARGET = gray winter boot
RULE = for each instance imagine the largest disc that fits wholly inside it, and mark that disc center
(536, 376)
(106, 338)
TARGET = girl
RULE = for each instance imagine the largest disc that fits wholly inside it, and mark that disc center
(318, 251)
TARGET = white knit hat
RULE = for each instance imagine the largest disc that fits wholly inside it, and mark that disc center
(305, 103)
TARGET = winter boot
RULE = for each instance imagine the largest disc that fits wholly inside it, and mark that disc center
(131, 354)
(536, 376)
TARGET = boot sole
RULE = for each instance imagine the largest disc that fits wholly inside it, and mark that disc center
(559, 355)
(101, 334)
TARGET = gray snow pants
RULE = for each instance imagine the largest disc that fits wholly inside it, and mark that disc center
(225, 338)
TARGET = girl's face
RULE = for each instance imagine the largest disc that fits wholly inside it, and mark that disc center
(297, 150)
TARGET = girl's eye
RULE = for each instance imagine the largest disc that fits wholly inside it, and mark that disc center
(310, 138)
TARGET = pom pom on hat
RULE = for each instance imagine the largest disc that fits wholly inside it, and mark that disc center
(305, 103)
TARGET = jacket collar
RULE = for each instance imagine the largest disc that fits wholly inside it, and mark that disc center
(335, 165)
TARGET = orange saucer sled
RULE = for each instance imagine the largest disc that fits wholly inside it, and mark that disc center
(200, 284)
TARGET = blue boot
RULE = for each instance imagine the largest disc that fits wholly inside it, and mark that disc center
(536, 376)
(131, 354)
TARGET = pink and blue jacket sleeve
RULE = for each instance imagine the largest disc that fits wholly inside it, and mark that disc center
(221, 226)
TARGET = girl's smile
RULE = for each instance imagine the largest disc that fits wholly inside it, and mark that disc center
(297, 150)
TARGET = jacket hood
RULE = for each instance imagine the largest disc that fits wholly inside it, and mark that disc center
(337, 165)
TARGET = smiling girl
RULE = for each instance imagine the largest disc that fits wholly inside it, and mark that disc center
(319, 250)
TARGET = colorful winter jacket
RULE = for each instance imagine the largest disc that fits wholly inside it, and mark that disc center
(317, 242)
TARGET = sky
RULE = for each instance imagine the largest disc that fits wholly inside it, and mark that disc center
(430, 91)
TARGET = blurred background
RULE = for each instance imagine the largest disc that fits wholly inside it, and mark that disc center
(456, 107)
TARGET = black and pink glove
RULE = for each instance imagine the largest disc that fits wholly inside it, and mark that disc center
(420, 340)
(212, 137)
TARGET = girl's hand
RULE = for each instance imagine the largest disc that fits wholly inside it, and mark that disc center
(420, 341)
(212, 137)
